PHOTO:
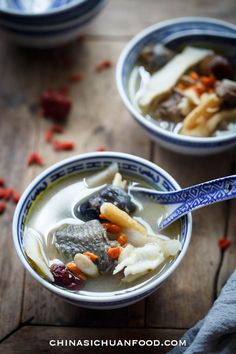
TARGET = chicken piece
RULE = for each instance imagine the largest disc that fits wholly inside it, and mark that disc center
(138, 261)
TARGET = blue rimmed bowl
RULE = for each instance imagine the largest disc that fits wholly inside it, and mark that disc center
(182, 31)
(89, 162)
(59, 22)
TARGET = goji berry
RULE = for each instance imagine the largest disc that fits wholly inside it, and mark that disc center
(112, 228)
(48, 136)
(7, 194)
(100, 148)
(15, 196)
(63, 146)
(35, 158)
(105, 64)
(224, 243)
(2, 192)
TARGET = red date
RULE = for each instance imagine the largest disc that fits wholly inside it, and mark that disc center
(63, 277)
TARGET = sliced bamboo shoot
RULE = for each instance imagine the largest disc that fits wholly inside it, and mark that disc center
(34, 247)
(102, 177)
(165, 79)
(120, 217)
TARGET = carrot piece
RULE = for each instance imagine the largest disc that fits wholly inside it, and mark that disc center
(208, 81)
(193, 75)
(114, 252)
(224, 243)
(2, 207)
(91, 255)
(2, 182)
(122, 239)
(199, 88)
(72, 267)
(102, 217)
(112, 228)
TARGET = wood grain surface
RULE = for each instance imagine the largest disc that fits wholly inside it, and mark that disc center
(29, 315)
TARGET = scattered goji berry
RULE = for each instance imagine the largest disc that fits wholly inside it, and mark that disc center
(48, 136)
(55, 104)
(75, 77)
(7, 194)
(100, 148)
(2, 207)
(15, 196)
(224, 243)
(2, 182)
(105, 64)
(2, 192)
(63, 145)
(35, 158)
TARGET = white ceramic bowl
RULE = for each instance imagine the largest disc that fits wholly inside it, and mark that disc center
(92, 161)
(162, 33)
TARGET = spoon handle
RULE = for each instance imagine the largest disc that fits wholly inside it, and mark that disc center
(198, 196)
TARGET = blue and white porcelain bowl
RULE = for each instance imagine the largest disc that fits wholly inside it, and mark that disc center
(46, 23)
(191, 31)
(90, 162)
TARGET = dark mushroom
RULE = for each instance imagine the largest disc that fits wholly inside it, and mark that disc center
(91, 209)
(216, 65)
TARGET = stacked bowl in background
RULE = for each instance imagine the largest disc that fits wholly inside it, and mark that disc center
(46, 23)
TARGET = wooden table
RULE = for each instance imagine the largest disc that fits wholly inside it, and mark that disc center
(29, 314)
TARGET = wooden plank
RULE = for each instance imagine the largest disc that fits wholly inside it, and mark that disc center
(187, 294)
(36, 339)
(97, 118)
(229, 255)
(127, 18)
(17, 136)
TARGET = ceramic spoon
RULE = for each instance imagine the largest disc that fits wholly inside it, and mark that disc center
(185, 200)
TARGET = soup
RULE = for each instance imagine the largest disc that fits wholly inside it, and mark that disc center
(91, 232)
(191, 92)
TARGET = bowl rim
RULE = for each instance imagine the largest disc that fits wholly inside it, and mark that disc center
(46, 13)
(124, 297)
(152, 127)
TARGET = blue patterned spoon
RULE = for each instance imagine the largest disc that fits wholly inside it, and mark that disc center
(185, 200)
